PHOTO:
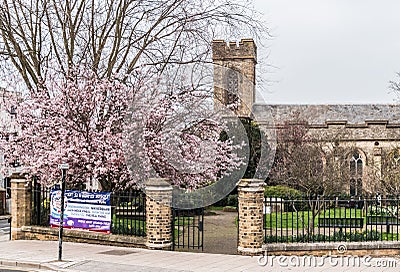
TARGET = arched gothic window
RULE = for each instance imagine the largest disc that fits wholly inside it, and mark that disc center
(356, 173)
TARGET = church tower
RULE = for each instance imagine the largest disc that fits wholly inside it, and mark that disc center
(235, 75)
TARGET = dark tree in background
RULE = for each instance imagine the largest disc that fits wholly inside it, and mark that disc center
(304, 162)
(254, 136)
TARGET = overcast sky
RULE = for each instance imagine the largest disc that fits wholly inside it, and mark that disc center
(332, 51)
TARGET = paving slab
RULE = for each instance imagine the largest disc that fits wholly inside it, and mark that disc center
(42, 256)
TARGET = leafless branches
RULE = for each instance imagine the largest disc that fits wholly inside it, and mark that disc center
(115, 36)
(307, 163)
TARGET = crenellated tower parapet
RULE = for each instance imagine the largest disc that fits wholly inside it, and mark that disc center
(235, 75)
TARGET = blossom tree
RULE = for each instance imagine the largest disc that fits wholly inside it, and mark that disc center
(183, 143)
(79, 122)
(103, 126)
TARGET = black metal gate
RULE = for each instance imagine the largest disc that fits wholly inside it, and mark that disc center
(187, 228)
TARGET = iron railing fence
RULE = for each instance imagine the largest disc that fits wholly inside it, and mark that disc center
(128, 210)
(331, 219)
(128, 213)
(40, 212)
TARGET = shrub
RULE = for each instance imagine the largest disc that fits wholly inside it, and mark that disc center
(282, 192)
(354, 236)
(301, 238)
(383, 211)
(232, 201)
(221, 203)
(372, 235)
(287, 193)
(357, 236)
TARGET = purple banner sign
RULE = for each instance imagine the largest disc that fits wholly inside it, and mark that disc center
(82, 210)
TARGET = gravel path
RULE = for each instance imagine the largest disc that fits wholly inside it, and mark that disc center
(220, 233)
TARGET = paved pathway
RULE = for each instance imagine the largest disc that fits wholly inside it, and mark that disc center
(41, 256)
(220, 233)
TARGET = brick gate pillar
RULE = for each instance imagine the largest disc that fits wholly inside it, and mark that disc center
(20, 204)
(251, 199)
(158, 213)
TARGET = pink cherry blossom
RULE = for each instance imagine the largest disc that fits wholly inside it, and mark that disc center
(103, 127)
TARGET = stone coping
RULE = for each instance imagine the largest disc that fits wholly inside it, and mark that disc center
(6, 216)
(321, 114)
(373, 245)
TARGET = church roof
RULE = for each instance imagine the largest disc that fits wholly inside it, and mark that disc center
(336, 113)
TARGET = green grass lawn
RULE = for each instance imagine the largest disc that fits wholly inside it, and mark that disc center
(341, 213)
(297, 220)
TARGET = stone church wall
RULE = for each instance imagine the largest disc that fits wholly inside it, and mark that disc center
(371, 130)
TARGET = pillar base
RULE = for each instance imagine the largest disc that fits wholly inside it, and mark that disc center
(250, 251)
(158, 246)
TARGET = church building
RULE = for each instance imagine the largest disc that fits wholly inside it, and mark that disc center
(369, 134)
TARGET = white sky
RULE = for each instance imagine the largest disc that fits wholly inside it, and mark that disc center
(331, 51)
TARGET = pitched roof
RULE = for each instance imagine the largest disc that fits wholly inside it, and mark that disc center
(356, 114)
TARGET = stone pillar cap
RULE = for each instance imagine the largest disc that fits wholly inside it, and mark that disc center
(17, 176)
(251, 185)
(157, 182)
(250, 182)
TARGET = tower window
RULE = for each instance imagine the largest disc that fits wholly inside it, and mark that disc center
(232, 90)
(396, 157)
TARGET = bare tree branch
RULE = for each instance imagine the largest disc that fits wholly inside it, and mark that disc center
(116, 36)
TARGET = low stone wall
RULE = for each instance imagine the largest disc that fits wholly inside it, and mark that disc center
(379, 248)
(51, 234)
(158, 219)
